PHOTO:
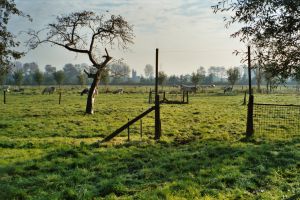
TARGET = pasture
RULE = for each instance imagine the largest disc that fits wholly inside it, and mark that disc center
(50, 151)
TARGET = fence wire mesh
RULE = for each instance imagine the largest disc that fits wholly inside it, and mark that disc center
(274, 119)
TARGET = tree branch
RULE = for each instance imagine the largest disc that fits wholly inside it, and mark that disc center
(90, 75)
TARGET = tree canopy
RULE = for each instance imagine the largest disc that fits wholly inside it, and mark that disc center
(7, 40)
(272, 27)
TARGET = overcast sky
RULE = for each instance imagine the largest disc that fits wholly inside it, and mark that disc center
(187, 33)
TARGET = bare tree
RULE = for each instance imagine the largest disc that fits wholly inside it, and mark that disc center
(233, 75)
(86, 32)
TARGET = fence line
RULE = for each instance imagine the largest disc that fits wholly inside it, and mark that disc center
(273, 118)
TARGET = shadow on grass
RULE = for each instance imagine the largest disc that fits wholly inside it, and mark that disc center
(160, 171)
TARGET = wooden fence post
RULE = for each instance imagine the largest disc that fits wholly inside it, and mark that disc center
(245, 98)
(4, 97)
(157, 109)
(187, 97)
(141, 128)
(157, 119)
(128, 132)
(183, 97)
(59, 99)
(250, 128)
(150, 97)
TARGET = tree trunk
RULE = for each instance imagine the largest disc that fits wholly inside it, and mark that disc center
(91, 96)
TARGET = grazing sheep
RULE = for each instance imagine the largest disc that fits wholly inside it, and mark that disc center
(86, 91)
(118, 91)
(187, 88)
(49, 90)
(227, 89)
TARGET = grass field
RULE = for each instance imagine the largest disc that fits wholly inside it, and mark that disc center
(50, 151)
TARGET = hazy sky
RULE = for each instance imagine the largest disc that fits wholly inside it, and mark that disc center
(187, 33)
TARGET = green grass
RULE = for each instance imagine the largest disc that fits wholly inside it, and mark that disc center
(50, 151)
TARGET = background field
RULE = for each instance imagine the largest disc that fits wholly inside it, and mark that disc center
(49, 151)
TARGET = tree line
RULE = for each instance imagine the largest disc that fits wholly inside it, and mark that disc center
(119, 74)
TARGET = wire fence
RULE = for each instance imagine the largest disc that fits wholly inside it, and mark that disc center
(275, 119)
(169, 97)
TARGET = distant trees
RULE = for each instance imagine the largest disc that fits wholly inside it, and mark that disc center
(49, 69)
(233, 75)
(18, 76)
(82, 79)
(258, 76)
(149, 71)
(196, 77)
(2, 78)
(38, 77)
(119, 70)
(199, 76)
(48, 76)
(29, 70)
(162, 77)
(216, 74)
(173, 80)
(59, 77)
(71, 73)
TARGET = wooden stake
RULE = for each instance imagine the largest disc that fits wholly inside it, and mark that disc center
(59, 100)
(128, 132)
(150, 97)
(141, 128)
(157, 109)
(245, 98)
(4, 97)
(250, 128)
(187, 97)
